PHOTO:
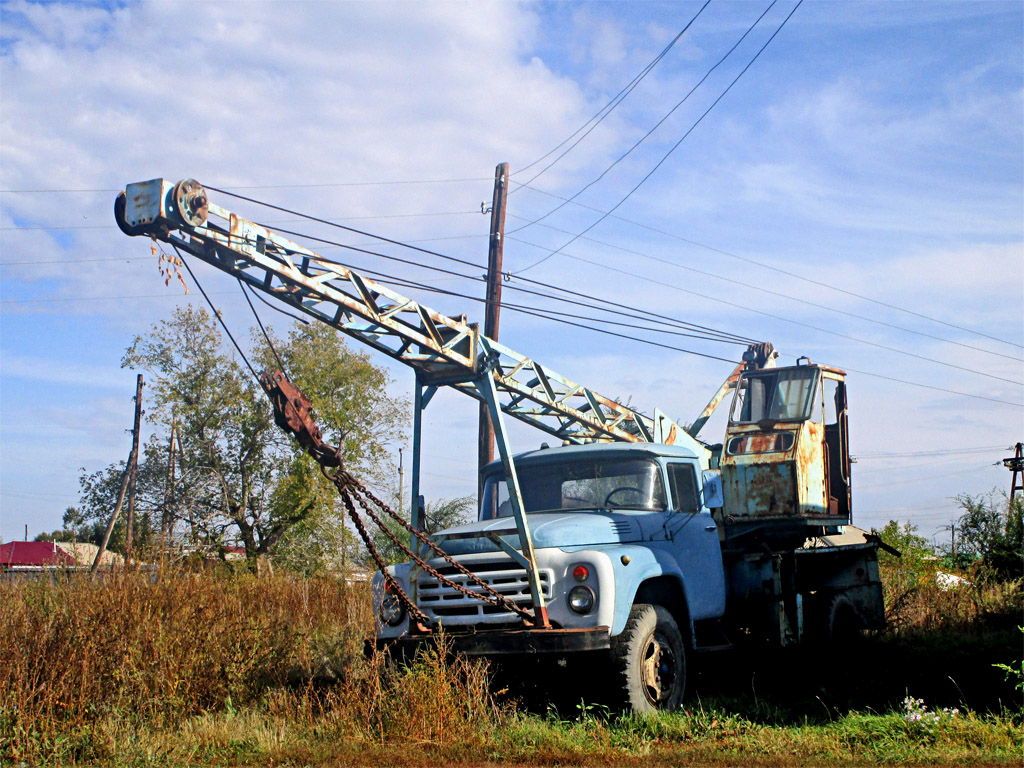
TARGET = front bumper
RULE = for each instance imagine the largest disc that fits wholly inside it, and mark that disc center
(506, 642)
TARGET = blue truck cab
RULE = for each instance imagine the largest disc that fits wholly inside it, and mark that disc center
(612, 525)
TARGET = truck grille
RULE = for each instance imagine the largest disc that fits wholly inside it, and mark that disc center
(441, 601)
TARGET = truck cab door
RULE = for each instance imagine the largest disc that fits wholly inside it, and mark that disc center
(836, 448)
(694, 540)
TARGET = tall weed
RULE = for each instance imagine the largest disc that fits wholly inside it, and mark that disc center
(155, 646)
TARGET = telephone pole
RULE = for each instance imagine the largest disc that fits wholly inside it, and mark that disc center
(165, 517)
(129, 472)
(1015, 464)
(134, 469)
(401, 485)
(492, 308)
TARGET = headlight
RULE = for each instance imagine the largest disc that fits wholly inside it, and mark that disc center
(392, 612)
(582, 599)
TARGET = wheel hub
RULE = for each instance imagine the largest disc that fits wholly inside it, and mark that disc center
(651, 669)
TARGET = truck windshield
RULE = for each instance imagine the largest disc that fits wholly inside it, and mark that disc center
(781, 394)
(579, 484)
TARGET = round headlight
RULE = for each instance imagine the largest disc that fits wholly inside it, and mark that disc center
(392, 612)
(582, 599)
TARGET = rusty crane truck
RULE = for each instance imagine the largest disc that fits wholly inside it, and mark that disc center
(632, 540)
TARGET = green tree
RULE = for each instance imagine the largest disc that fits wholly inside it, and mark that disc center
(440, 514)
(990, 532)
(236, 476)
(914, 549)
(76, 528)
(98, 492)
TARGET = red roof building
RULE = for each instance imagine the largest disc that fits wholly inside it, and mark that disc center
(33, 554)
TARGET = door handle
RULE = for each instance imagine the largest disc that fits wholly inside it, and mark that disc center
(710, 527)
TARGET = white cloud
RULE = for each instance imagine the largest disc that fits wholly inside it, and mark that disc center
(840, 157)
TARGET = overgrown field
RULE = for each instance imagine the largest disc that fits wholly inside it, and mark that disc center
(231, 669)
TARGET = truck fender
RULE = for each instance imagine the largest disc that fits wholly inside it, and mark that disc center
(653, 575)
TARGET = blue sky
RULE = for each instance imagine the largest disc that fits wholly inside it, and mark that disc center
(876, 148)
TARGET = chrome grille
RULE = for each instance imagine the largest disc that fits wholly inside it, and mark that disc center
(441, 601)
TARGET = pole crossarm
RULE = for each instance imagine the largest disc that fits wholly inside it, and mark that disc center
(441, 348)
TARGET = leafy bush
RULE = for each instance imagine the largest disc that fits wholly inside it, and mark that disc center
(990, 533)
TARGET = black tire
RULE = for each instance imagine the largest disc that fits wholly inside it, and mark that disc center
(844, 624)
(649, 661)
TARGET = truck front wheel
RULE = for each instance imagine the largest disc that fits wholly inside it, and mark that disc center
(649, 660)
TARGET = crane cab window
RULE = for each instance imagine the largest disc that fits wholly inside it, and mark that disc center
(777, 394)
(682, 482)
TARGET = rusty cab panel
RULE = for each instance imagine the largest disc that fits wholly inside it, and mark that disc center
(785, 462)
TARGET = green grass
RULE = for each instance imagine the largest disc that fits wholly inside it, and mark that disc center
(279, 731)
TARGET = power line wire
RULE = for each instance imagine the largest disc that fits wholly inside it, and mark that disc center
(469, 263)
(545, 316)
(938, 452)
(674, 146)
(908, 480)
(850, 370)
(933, 387)
(863, 373)
(437, 254)
(608, 108)
(901, 466)
(216, 313)
(765, 290)
(655, 127)
(277, 221)
(707, 333)
(789, 320)
(96, 298)
(362, 183)
(765, 265)
(395, 280)
(463, 261)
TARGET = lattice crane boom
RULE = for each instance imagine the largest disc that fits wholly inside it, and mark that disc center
(445, 351)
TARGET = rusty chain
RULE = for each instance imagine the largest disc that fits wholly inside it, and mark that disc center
(390, 583)
(293, 413)
(489, 595)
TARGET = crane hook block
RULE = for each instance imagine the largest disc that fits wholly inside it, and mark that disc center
(294, 414)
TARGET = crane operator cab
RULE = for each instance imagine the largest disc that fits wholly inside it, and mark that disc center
(785, 461)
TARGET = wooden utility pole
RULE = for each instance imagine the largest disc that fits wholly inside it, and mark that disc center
(401, 485)
(1015, 464)
(129, 472)
(134, 469)
(165, 517)
(492, 308)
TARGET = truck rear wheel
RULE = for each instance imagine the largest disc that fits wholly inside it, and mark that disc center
(649, 660)
(844, 624)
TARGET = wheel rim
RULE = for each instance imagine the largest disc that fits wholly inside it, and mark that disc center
(658, 669)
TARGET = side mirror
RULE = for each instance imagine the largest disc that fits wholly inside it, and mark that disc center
(712, 493)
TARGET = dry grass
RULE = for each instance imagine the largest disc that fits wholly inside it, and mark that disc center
(230, 669)
(160, 647)
(916, 603)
